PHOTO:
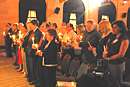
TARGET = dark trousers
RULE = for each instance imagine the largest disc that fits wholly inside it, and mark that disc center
(117, 71)
(38, 68)
(31, 66)
(127, 70)
(48, 78)
(15, 50)
(8, 50)
(27, 63)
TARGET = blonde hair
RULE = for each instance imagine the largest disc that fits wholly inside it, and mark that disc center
(81, 28)
(105, 27)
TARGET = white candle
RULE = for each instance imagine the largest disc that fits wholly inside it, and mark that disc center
(105, 49)
(89, 44)
(94, 52)
(3, 33)
(43, 35)
(13, 36)
(81, 37)
(20, 34)
(33, 39)
(36, 46)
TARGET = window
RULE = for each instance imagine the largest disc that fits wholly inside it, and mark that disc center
(31, 15)
(73, 20)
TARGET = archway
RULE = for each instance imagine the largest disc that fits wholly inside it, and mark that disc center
(74, 6)
(26, 5)
(107, 9)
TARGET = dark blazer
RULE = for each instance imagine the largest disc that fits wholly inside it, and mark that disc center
(26, 39)
(27, 44)
(37, 35)
(50, 53)
(8, 40)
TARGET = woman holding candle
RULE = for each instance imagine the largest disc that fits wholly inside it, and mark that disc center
(105, 30)
(22, 58)
(48, 52)
(15, 46)
(117, 45)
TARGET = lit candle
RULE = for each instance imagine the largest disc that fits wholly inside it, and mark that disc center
(60, 35)
(43, 35)
(81, 37)
(36, 45)
(13, 37)
(20, 34)
(105, 49)
(94, 52)
(3, 33)
(9, 35)
(33, 39)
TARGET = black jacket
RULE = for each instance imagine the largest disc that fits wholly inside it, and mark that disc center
(50, 53)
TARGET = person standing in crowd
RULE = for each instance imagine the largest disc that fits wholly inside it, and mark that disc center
(33, 59)
(127, 72)
(26, 45)
(115, 49)
(14, 37)
(8, 40)
(67, 42)
(48, 52)
(105, 30)
(22, 34)
(89, 46)
(69, 35)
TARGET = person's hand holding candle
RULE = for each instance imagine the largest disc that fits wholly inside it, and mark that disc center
(105, 52)
(35, 46)
(39, 53)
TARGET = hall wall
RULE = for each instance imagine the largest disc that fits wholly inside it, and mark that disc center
(9, 12)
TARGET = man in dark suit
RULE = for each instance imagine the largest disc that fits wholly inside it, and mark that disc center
(33, 46)
(8, 40)
(25, 45)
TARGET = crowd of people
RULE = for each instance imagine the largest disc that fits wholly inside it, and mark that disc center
(43, 51)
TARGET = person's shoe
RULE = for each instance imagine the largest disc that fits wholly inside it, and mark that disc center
(25, 75)
(19, 70)
(16, 67)
(31, 83)
(23, 71)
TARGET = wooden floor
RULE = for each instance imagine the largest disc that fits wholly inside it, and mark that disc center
(9, 77)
